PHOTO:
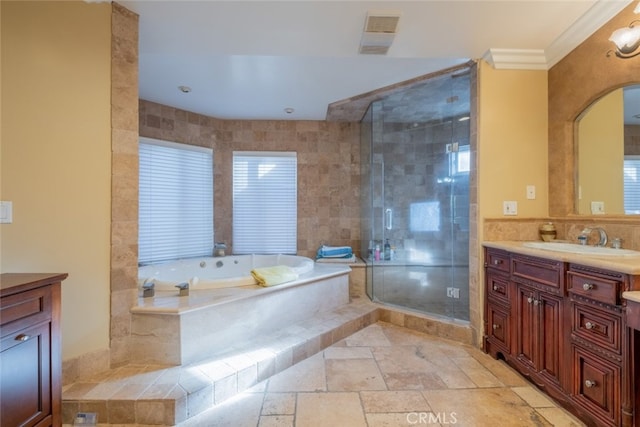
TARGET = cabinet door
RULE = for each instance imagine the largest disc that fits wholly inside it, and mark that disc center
(527, 339)
(499, 330)
(551, 339)
(25, 377)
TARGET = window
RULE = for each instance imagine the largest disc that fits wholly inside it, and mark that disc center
(632, 184)
(175, 202)
(459, 159)
(265, 193)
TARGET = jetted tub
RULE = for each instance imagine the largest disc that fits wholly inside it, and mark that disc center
(225, 307)
(219, 272)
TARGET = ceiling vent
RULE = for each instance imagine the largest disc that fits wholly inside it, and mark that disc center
(380, 29)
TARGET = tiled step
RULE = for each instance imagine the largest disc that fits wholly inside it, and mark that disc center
(167, 395)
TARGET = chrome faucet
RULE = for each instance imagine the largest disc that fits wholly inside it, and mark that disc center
(184, 289)
(584, 235)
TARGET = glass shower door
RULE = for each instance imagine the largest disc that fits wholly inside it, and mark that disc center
(418, 180)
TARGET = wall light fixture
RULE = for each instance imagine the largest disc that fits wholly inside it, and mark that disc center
(627, 39)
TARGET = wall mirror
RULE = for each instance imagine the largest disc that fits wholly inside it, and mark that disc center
(608, 154)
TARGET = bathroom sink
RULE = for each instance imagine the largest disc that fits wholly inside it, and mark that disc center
(575, 248)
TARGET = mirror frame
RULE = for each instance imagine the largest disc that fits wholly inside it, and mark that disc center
(574, 83)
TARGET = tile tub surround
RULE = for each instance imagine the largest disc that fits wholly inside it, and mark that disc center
(172, 330)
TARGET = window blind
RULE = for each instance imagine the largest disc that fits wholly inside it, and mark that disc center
(175, 201)
(632, 184)
(265, 193)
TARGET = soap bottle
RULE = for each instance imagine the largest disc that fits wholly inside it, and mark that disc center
(377, 253)
(387, 250)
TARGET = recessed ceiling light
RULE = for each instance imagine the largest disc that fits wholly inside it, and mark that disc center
(184, 89)
(289, 110)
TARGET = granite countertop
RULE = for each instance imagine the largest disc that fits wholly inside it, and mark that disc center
(622, 264)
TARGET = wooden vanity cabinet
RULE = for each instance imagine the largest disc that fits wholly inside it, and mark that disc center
(563, 326)
(30, 359)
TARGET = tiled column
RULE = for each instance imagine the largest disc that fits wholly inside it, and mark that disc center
(124, 179)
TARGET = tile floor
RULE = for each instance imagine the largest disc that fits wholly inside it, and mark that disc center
(385, 375)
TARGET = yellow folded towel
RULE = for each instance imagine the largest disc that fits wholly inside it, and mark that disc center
(276, 275)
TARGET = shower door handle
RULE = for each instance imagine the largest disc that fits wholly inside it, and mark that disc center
(388, 216)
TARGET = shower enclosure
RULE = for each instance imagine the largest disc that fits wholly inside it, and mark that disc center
(415, 201)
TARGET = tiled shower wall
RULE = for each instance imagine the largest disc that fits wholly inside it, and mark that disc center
(328, 167)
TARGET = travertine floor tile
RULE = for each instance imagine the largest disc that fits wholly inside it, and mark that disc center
(484, 407)
(559, 418)
(329, 410)
(382, 376)
(394, 401)
(308, 375)
(372, 336)
(279, 404)
(348, 353)
(533, 397)
(353, 375)
(480, 375)
(276, 421)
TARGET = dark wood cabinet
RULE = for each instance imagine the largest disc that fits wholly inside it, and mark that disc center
(30, 388)
(563, 326)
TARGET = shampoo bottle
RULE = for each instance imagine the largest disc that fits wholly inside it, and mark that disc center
(387, 250)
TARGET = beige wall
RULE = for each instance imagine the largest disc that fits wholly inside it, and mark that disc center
(512, 140)
(600, 148)
(56, 156)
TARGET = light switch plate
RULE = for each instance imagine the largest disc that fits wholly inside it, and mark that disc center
(6, 212)
(531, 192)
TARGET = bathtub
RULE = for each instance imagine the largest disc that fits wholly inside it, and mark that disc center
(219, 272)
(225, 307)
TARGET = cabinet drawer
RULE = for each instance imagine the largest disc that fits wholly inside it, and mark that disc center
(498, 260)
(21, 310)
(544, 271)
(498, 325)
(596, 386)
(498, 287)
(596, 288)
(597, 327)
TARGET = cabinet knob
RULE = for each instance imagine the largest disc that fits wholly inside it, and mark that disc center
(589, 383)
(496, 326)
(22, 337)
(495, 287)
(529, 300)
(497, 261)
(587, 286)
(536, 302)
(589, 325)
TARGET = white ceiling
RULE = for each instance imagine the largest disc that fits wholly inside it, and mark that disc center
(253, 59)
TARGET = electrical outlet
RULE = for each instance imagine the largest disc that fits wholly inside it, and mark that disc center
(597, 208)
(510, 208)
(531, 192)
(86, 419)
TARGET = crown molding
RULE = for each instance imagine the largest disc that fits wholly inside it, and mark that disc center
(538, 59)
(516, 59)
